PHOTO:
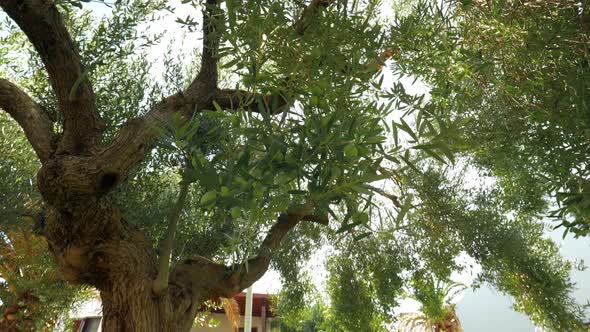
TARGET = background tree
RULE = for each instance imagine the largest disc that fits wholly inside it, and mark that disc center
(519, 70)
(448, 218)
(294, 147)
(34, 295)
(437, 313)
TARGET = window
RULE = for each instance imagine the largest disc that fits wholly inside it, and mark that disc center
(90, 324)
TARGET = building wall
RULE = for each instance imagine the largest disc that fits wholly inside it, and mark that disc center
(225, 326)
(92, 308)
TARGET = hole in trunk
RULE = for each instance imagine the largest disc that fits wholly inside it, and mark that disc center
(107, 182)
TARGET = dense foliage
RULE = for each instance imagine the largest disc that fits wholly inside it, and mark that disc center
(514, 75)
(518, 70)
(507, 99)
(34, 295)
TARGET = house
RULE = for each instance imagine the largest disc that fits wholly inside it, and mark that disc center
(89, 318)
(261, 316)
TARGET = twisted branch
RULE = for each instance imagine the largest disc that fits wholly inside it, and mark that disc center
(28, 114)
(45, 28)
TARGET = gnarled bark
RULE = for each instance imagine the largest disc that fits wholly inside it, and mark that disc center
(93, 244)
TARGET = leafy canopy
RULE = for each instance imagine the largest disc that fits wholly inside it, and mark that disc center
(343, 142)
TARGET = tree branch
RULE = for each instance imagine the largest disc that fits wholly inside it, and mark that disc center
(8, 255)
(134, 138)
(161, 281)
(240, 276)
(207, 78)
(28, 114)
(215, 280)
(393, 198)
(251, 102)
(45, 28)
(322, 220)
(308, 13)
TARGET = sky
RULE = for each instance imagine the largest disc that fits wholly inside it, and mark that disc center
(485, 310)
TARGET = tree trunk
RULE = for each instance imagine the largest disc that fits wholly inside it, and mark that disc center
(133, 310)
(89, 239)
(137, 310)
(133, 307)
(93, 244)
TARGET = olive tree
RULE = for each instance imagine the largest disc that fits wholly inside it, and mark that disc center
(163, 194)
(269, 160)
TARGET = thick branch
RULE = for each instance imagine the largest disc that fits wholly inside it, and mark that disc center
(135, 137)
(236, 99)
(45, 28)
(231, 99)
(201, 274)
(8, 256)
(28, 114)
(241, 276)
(161, 281)
(106, 169)
(207, 78)
(322, 220)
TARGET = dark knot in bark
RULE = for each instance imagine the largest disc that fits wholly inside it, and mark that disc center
(107, 182)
